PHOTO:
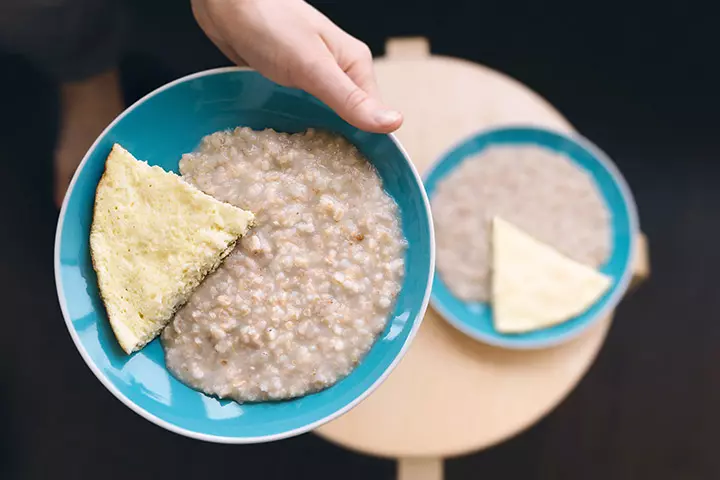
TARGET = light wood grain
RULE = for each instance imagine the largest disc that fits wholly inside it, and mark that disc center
(420, 469)
(641, 262)
(452, 395)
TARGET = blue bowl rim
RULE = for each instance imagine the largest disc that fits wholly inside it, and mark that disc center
(203, 436)
(622, 285)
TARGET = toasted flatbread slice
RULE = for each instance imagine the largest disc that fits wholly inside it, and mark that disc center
(534, 286)
(153, 239)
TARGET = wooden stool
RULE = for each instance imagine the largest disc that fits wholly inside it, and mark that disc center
(452, 395)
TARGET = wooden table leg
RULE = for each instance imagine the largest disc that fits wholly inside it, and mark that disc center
(641, 262)
(420, 469)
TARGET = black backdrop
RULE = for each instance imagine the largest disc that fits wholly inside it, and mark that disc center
(638, 78)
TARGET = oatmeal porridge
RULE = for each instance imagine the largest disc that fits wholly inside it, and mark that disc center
(538, 190)
(304, 295)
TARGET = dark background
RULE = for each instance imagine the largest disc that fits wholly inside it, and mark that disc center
(637, 78)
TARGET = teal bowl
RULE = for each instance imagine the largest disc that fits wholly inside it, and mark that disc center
(159, 128)
(475, 319)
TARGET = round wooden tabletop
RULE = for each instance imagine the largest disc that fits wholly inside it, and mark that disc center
(452, 395)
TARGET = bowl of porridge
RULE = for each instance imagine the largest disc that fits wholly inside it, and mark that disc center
(313, 307)
(560, 190)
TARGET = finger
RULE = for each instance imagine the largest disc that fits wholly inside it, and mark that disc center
(360, 70)
(325, 79)
(354, 57)
(229, 52)
(208, 25)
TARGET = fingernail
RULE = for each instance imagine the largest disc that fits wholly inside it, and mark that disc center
(387, 117)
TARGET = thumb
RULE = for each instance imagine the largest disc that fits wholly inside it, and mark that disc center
(330, 84)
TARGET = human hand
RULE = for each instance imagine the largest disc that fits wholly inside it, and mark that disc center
(294, 45)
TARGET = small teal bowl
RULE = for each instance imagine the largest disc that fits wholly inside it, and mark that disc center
(475, 319)
(159, 128)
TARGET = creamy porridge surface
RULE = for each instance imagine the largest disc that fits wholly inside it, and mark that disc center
(540, 191)
(304, 295)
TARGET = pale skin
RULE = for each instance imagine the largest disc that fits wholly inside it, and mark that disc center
(294, 45)
(288, 41)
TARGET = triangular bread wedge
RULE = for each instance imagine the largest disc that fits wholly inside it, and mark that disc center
(534, 286)
(153, 239)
